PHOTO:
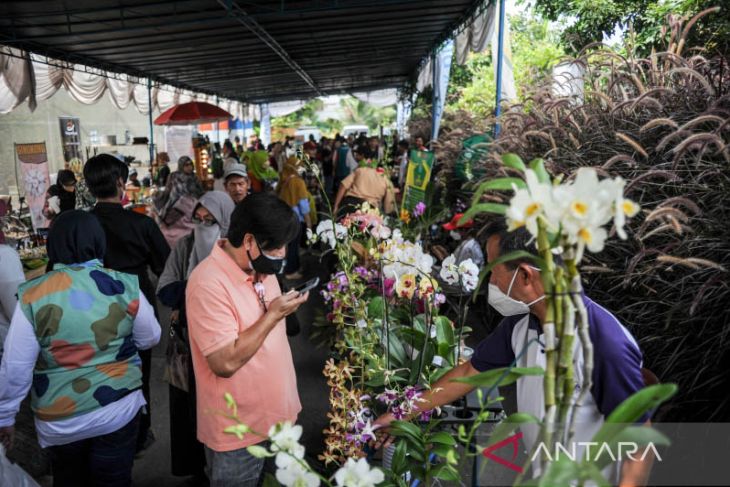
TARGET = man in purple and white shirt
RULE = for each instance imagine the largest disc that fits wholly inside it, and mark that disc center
(516, 291)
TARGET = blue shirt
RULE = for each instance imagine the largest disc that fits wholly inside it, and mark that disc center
(616, 375)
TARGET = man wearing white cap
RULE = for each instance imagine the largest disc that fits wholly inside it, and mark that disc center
(236, 182)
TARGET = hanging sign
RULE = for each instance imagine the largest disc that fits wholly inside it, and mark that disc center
(70, 138)
(417, 178)
(33, 160)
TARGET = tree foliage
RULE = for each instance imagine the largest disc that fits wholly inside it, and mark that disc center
(643, 21)
(354, 111)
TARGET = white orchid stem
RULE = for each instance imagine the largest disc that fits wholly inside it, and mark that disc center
(585, 340)
(548, 274)
(386, 324)
(566, 380)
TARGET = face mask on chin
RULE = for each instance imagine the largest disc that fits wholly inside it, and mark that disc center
(504, 304)
(263, 264)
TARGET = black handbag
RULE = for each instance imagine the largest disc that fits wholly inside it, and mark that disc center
(177, 371)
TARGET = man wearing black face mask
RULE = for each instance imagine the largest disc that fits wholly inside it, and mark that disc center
(238, 340)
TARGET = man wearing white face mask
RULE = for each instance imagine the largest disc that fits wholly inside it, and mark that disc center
(212, 216)
(516, 292)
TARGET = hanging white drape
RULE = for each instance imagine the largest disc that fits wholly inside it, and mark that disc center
(403, 114)
(167, 98)
(120, 92)
(48, 78)
(425, 77)
(441, 75)
(265, 124)
(279, 109)
(379, 98)
(509, 88)
(33, 77)
(476, 37)
(568, 80)
(86, 88)
(16, 79)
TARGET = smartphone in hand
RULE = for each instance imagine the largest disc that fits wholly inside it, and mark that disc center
(307, 286)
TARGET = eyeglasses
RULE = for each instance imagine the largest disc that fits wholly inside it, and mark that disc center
(207, 222)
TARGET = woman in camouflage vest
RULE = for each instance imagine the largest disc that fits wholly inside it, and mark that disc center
(74, 337)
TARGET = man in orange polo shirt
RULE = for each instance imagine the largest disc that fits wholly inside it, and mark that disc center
(238, 337)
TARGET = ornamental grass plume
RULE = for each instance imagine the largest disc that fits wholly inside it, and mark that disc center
(662, 124)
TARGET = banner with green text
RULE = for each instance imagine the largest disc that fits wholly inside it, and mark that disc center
(417, 178)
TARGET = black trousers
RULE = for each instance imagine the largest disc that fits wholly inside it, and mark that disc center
(104, 460)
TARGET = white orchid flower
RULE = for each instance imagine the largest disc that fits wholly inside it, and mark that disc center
(358, 474)
(469, 273)
(527, 205)
(285, 437)
(331, 232)
(449, 271)
(295, 475)
(621, 207)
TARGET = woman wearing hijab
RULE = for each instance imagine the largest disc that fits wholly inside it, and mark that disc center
(61, 196)
(75, 334)
(260, 173)
(212, 216)
(293, 190)
(175, 204)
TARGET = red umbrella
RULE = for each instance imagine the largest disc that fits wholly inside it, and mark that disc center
(192, 113)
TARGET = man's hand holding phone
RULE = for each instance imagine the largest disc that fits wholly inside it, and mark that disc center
(287, 304)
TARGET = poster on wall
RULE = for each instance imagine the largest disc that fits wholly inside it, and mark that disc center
(417, 178)
(179, 142)
(33, 160)
(70, 138)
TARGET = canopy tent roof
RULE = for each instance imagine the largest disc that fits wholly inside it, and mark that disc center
(250, 51)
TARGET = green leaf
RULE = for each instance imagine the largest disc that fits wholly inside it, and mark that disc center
(395, 347)
(640, 402)
(514, 161)
(629, 411)
(403, 428)
(435, 376)
(412, 337)
(538, 165)
(452, 457)
(376, 380)
(444, 336)
(398, 462)
(445, 472)
(560, 472)
(500, 184)
(441, 450)
(478, 208)
(507, 426)
(442, 437)
(594, 473)
(517, 254)
(499, 377)
(270, 481)
(376, 307)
